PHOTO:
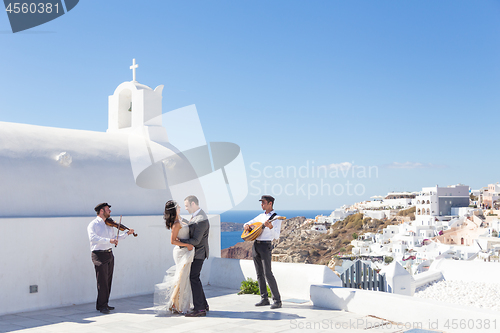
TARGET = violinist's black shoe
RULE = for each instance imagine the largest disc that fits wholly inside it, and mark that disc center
(104, 310)
(111, 307)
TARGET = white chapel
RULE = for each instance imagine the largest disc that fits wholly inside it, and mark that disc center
(52, 178)
(134, 166)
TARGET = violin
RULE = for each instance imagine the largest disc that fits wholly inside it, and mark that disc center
(109, 221)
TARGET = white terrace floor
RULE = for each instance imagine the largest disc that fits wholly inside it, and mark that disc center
(229, 312)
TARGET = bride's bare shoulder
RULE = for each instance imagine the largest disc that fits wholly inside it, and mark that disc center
(180, 223)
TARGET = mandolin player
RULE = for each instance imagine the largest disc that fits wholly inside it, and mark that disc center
(261, 251)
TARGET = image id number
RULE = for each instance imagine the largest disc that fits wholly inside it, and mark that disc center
(471, 324)
(32, 8)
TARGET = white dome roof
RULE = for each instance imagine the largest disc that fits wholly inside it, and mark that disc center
(48, 171)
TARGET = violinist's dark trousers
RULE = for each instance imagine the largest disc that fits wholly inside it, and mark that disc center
(104, 263)
(199, 299)
(261, 253)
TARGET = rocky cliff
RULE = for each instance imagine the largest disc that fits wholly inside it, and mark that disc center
(298, 244)
(293, 245)
(242, 250)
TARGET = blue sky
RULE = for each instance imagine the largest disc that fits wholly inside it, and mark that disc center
(409, 89)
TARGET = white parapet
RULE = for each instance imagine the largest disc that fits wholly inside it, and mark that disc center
(463, 270)
(427, 277)
(399, 281)
(405, 312)
(294, 280)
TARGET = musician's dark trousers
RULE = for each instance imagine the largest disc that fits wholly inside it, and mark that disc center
(199, 299)
(104, 263)
(261, 253)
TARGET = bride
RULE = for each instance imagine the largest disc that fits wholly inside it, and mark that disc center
(174, 294)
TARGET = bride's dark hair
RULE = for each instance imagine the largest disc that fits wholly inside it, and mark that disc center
(170, 214)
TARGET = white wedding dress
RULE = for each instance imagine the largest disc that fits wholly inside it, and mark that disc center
(174, 295)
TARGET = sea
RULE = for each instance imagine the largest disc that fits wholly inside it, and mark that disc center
(230, 238)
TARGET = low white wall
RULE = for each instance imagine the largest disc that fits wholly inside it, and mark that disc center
(475, 270)
(459, 270)
(409, 311)
(54, 253)
(294, 280)
(427, 277)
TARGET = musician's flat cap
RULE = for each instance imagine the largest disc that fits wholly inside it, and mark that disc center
(267, 198)
(101, 206)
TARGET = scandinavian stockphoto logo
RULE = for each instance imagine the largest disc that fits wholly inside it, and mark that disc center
(28, 14)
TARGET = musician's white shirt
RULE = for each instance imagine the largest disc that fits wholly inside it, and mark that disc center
(100, 234)
(268, 234)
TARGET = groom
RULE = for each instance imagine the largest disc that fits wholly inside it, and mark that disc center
(198, 237)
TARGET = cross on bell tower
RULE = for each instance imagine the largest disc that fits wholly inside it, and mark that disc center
(133, 67)
(146, 110)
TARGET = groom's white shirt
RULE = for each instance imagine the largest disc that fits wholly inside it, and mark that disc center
(195, 213)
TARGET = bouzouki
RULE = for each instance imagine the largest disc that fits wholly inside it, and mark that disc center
(257, 228)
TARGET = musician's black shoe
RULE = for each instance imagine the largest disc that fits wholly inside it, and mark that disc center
(276, 305)
(263, 302)
(104, 310)
(111, 307)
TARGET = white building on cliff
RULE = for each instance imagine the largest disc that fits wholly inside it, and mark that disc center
(436, 203)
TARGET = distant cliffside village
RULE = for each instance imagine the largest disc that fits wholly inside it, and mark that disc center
(411, 228)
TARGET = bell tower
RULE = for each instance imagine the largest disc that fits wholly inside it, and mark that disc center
(134, 105)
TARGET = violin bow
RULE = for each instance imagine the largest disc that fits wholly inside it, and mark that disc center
(118, 231)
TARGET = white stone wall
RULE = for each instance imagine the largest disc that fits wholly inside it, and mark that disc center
(35, 183)
(54, 253)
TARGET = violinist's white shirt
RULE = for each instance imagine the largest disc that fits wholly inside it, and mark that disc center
(101, 234)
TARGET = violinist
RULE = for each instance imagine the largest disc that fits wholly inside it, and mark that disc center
(102, 238)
